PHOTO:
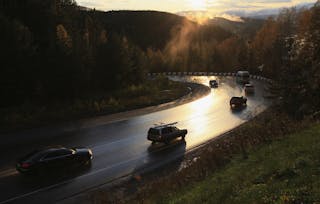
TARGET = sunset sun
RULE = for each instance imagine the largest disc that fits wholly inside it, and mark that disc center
(198, 4)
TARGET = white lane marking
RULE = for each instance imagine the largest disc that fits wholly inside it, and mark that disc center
(92, 173)
(8, 172)
(70, 180)
(33, 192)
(190, 119)
(83, 176)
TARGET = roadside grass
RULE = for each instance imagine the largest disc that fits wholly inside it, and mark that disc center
(271, 159)
(283, 171)
(151, 92)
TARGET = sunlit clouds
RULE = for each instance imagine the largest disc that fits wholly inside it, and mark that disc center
(189, 5)
(197, 9)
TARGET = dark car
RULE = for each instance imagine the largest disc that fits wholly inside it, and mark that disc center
(213, 83)
(51, 159)
(249, 89)
(238, 102)
(165, 133)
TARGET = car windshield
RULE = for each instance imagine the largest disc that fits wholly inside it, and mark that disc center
(166, 130)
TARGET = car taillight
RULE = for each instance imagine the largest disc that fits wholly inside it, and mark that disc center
(25, 165)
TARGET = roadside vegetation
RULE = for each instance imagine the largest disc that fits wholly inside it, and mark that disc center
(284, 171)
(272, 159)
(152, 92)
(58, 53)
(60, 61)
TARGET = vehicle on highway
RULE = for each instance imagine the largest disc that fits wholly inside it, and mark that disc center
(249, 88)
(213, 83)
(238, 102)
(165, 133)
(243, 77)
(54, 158)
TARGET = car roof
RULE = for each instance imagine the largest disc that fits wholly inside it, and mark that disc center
(237, 98)
(52, 148)
(37, 154)
(162, 127)
(243, 72)
(56, 149)
(48, 150)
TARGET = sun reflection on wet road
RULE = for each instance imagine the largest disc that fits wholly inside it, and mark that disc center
(121, 147)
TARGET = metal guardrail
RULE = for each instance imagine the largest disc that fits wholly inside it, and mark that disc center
(206, 74)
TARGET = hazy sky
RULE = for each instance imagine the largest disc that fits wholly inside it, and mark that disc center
(212, 6)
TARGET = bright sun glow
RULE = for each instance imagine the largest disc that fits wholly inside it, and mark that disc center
(200, 106)
(198, 4)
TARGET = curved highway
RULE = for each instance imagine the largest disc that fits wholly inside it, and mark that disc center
(120, 147)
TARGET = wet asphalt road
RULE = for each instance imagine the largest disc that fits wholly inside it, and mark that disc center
(120, 148)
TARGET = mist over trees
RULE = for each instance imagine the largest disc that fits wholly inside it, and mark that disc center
(55, 50)
(285, 48)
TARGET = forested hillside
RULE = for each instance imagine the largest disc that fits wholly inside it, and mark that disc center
(246, 27)
(55, 50)
(287, 49)
(144, 28)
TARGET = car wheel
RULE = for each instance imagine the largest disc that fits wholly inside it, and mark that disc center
(39, 171)
(89, 163)
(86, 161)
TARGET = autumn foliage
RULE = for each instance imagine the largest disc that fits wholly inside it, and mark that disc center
(56, 50)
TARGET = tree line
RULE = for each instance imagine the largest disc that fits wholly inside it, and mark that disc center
(56, 50)
(285, 48)
(288, 49)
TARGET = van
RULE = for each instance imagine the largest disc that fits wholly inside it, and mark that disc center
(243, 77)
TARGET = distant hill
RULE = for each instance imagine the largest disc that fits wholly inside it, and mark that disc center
(245, 28)
(57, 50)
(153, 29)
(144, 28)
(266, 13)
